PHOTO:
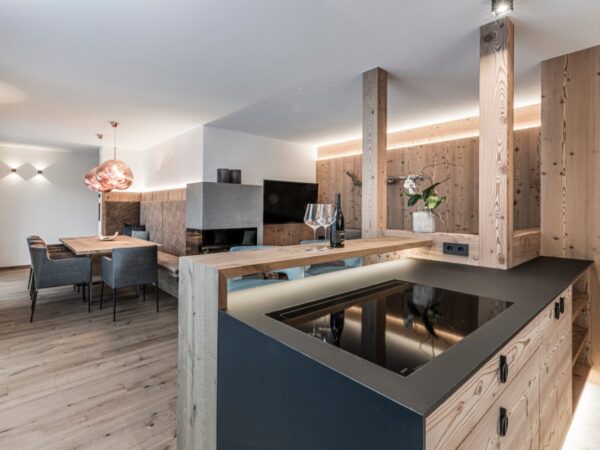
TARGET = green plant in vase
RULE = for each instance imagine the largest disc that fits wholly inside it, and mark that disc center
(428, 201)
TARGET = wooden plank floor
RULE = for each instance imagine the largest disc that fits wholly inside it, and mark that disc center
(78, 380)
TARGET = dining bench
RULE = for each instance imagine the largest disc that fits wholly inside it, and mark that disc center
(168, 273)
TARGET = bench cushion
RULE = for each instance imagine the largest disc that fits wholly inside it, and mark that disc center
(169, 262)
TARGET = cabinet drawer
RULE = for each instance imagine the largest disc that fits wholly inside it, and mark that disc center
(450, 424)
(520, 406)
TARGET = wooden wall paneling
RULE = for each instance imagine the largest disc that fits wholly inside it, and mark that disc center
(525, 117)
(287, 234)
(115, 214)
(374, 152)
(570, 164)
(165, 195)
(173, 220)
(121, 196)
(527, 178)
(464, 202)
(395, 192)
(496, 93)
(151, 215)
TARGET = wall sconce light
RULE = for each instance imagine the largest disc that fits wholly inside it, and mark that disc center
(40, 172)
(502, 7)
(13, 170)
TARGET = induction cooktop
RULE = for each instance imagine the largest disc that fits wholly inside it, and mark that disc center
(397, 325)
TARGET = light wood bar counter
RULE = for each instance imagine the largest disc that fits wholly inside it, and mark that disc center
(203, 292)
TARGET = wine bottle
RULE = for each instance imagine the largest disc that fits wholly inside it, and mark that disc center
(338, 232)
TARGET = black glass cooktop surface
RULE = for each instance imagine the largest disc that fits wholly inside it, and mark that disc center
(397, 325)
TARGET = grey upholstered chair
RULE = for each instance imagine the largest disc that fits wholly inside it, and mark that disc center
(34, 239)
(49, 273)
(127, 267)
(55, 251)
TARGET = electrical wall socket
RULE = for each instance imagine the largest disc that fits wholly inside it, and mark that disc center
(458, 249)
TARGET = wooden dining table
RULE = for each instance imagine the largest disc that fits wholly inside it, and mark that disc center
(92, 245)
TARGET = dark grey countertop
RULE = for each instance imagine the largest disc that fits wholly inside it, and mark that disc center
(530, 286)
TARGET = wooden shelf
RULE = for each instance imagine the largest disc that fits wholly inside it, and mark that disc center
(580, 375)
(579, 338)
(580, 299)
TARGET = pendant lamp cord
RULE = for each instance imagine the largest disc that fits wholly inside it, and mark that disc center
(115, 125)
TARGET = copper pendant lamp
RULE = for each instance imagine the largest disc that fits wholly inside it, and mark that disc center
(90, 176)
(113, 173)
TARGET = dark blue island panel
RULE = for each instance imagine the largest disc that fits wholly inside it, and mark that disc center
(273, 397)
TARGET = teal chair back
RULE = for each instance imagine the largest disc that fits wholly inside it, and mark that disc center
(293, 273)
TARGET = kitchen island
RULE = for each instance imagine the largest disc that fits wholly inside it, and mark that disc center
(505, 384)
(203, 293)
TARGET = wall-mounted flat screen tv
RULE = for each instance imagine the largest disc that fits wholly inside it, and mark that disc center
(285, 201)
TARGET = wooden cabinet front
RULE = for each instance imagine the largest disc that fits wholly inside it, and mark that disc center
(555, 371)
(513, 420)
(449, 425)
(534, 402)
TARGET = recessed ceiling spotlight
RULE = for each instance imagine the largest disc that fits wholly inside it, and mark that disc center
(502, 7)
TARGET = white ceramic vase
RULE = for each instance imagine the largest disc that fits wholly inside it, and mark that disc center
(423, 222)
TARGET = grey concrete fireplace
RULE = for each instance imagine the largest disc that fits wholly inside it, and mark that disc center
(220, 215)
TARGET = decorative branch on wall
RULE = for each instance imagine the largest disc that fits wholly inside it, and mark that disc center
(390, 180)
(355, 180)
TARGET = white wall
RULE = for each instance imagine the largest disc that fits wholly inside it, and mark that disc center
(54, 204)
(197, 154)
(135, 159)
(176, 162)
(258, 157)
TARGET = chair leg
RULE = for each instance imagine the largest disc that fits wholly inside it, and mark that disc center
(33, 301)
(101, 294)
(89, 296)
(143, 292)
(114, 304)
(32, 287)
(82, 292)
(30, 277)
(157, 297)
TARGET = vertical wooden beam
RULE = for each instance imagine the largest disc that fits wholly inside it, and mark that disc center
(496, 171)
(199, 287)
(374, 171)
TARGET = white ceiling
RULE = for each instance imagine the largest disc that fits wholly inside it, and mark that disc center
(282, 68)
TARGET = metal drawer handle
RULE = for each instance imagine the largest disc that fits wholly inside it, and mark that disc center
(503, 423)
(562, 305)
(556, 310)
(503, 369)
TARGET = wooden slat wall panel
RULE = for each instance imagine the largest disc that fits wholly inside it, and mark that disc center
(461, 211)
(570, 156)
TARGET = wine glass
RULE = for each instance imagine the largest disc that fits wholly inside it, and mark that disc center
(310, 219)
(325, 218)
